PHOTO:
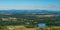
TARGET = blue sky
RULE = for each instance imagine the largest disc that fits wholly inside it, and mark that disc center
(30, 4)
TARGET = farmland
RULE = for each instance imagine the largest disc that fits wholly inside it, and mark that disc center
(29, 20)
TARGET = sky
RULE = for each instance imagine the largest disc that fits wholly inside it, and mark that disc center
(30, 4)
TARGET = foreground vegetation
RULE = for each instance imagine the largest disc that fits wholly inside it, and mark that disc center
(24, 28)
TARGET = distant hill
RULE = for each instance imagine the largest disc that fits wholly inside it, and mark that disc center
(29, 12)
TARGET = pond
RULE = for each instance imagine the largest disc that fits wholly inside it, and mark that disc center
(41, 25)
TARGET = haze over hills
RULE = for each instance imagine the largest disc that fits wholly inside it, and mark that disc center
(29, 12)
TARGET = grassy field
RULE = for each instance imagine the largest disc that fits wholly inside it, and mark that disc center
(19, 28)
(24, 28)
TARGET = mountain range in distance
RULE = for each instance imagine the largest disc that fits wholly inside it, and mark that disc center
(29, 12)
